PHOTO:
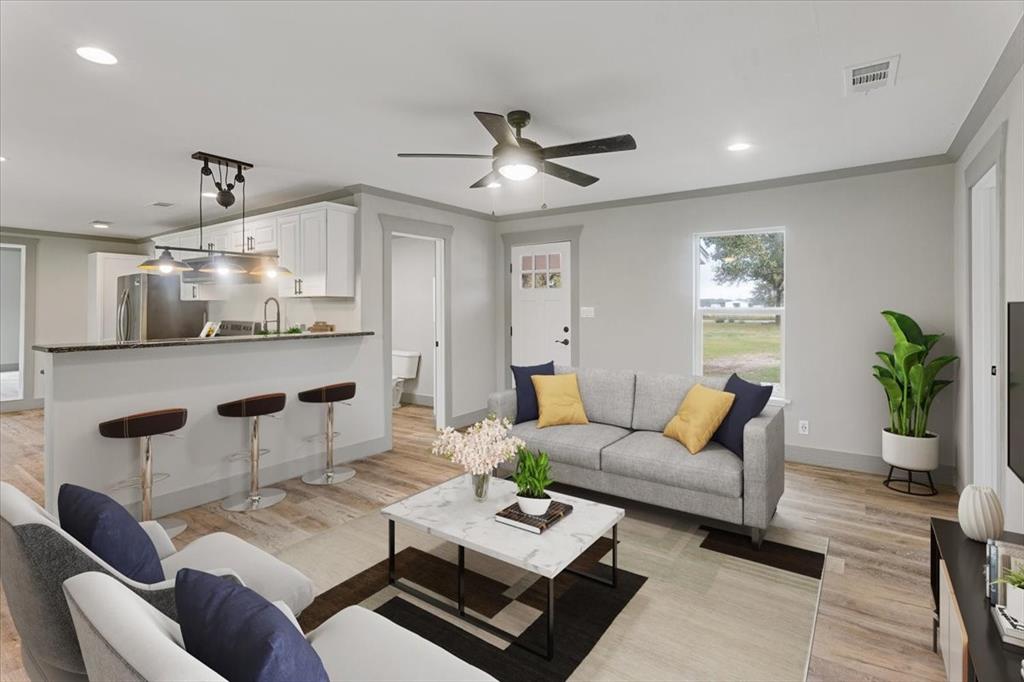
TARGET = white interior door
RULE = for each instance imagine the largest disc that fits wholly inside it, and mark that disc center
(541, 304)
(986, 334)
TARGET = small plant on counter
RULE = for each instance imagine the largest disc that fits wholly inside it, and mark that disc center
(1014, 578)
(293, 330)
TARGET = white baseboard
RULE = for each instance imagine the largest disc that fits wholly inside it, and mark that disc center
(416, 399)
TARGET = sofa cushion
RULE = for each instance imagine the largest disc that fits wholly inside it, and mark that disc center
(702, 410)
(109, 531)
(239, 634)
(652, 457)
(658, 397)
(558, 401)
(607, 394)
(750, 400)
(526, 395)
(576, 444)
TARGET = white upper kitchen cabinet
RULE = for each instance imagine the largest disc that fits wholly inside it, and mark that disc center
(101, 308)
(318, 245)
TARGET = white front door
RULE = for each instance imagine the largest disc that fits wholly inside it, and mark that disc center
(541, 304)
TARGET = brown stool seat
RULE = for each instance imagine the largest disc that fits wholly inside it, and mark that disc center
(332, 393)
(145, 424)
(253, 406)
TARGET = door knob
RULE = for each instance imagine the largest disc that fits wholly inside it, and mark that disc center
(564, 342)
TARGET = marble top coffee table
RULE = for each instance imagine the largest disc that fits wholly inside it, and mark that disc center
(451, 512)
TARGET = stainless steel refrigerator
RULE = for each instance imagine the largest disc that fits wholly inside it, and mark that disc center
(150, 307)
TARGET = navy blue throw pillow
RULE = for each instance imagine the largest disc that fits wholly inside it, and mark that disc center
(109, 531)
(526, 396)
(239, 634)
(750, 400)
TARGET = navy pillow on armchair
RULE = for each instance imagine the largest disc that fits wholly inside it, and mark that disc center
(240, 634)
(526, 395)
(750, 400)
(109, 531)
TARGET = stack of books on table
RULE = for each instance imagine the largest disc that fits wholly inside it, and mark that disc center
(513, 516)
(1003, 557)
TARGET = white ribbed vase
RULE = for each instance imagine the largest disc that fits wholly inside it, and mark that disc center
(980, 513)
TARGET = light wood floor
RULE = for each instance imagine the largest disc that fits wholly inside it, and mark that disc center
(874, 620)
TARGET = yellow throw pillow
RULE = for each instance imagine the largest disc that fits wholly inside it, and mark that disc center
(558, 400)
(699, 416)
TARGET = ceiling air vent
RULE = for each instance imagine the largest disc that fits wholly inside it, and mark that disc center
(871, 76)
(162, 204)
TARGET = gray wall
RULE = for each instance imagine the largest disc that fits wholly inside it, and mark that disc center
(1009, 109)
(854, 247)
(412, 311)
(10, 307)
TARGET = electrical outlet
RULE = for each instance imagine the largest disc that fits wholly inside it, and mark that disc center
(586, 312)
(805, 427)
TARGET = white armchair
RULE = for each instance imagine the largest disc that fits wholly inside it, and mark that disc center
(124, 638)
(38, 556)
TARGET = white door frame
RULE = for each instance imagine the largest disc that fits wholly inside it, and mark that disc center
(992, 155)
(396, 225)
(28, 325)
(569, 234)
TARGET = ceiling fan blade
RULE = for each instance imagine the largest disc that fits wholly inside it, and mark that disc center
(445, 156)
(619, 143)
(568, 174)
(498, 127)
(486, 180)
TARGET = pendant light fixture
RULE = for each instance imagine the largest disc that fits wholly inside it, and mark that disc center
(166, 264)
(219, 261)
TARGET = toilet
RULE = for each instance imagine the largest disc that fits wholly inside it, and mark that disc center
(404, 365)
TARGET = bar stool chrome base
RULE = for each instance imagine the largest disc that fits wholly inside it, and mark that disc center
(172, 526)
(243, 502)
(328, 476)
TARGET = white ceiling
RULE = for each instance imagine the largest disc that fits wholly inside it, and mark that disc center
(323, 95)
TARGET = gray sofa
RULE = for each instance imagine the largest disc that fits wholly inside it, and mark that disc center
(623, 452)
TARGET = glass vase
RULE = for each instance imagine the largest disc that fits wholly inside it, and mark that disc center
(480, 483)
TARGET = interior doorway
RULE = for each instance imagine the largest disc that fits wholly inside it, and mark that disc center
(986, 298)
(417, 317)
(13, 372)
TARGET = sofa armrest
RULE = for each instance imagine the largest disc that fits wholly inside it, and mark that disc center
(158, 536)
(503, 404)
(764, 466)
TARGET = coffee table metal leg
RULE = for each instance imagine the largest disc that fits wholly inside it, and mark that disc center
(391, 551)
(551, 618)
(615, 555)
(462, 580)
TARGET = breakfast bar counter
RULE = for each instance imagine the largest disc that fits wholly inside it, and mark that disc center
(89, 383)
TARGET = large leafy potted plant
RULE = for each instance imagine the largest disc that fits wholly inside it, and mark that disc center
(532, 476)
(911, 383)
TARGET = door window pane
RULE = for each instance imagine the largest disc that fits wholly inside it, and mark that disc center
(542, 280)
(554, 261)
(526, 280)
(554, 280)
(540, 262)
(527, 263)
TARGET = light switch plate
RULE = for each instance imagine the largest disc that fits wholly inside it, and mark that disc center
(586, 312)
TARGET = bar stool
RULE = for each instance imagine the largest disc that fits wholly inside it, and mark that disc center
(330, 394)
(255, 407)
(145, 425)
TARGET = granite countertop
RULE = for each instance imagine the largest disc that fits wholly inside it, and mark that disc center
(163, 343)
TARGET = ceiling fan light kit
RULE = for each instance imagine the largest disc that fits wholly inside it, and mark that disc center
(517, 158)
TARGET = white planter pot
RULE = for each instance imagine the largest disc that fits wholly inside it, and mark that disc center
(533, 506)
(907, 452)
(1015, 602)
(980, 513)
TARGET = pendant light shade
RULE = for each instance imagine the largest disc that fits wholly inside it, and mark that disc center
(164, 265)
(268, 268)
(219, 265)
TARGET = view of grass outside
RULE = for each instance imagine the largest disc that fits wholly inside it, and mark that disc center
(751, 347)
(741, 301)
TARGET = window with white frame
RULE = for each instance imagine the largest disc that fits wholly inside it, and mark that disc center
(739, 311)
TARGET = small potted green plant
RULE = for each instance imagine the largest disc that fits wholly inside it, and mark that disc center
(1014, 581)
(532, 476)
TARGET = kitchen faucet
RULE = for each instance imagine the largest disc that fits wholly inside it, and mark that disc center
(277, 322)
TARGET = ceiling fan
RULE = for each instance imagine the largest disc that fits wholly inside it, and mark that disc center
(518, 158)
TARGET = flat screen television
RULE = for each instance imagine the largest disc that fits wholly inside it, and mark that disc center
(1015, 388)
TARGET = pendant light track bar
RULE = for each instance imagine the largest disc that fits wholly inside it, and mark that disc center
(217, 158)
(215, 252)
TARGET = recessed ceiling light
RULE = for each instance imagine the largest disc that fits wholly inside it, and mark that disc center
(101, 224)
(96, 55)
(210, 195)
(739, 146)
